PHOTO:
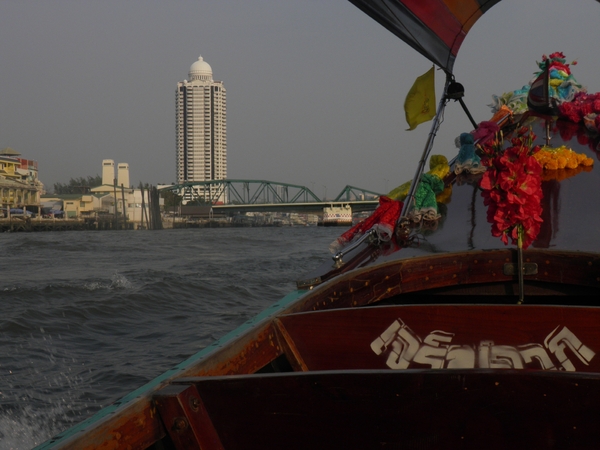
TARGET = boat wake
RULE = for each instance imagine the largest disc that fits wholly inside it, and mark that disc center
(25, 428)
(119, 281)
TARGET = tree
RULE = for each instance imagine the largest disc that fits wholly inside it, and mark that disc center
(81, 185)
(171, 198)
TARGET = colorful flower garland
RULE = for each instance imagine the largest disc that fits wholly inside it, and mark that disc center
(561, 157)
(512, 189)
(584, 108)
(563, 86)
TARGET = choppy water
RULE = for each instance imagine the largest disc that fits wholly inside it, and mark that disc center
(86, 317)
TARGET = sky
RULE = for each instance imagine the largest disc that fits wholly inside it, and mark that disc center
(315, 88)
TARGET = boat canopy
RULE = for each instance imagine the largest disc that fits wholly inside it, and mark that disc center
(434, 28)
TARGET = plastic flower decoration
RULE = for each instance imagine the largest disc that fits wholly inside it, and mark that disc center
(561, 157)
(562, 85)
(512, 189)
(585, 109)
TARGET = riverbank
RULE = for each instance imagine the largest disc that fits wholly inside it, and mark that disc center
(37, 225)
(26, 224)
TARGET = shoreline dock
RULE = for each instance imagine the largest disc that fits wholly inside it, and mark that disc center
(21, 224)
(27, 225)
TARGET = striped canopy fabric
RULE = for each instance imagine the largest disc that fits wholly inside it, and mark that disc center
(435, 28)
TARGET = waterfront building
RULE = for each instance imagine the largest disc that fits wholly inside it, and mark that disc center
(19, 183)
(71, 206)
(201, 126)
(114, 197)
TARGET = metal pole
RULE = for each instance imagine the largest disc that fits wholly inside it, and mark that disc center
(116, 220)
(150, 218)
(468, 113)
(123, 200)
(143, 205)
(410, 198)
(520, 274)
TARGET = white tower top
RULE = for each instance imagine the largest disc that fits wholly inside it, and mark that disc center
(201, 70)
(123, 174)
(108, 172)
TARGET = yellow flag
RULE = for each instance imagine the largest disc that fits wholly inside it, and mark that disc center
(420, 101)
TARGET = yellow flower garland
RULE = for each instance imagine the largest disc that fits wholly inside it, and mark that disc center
(562, 157)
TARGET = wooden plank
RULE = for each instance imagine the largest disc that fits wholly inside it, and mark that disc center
(473, 409)
(185, 418)
(248, 354)
(289, 347)
(448, 336)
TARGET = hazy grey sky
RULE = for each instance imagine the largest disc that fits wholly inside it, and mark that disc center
(315, 88)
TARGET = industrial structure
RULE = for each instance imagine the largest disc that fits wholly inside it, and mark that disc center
(201, 126)
(114, 199)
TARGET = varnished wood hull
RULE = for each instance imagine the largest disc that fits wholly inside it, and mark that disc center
(557, 338)
(412, 409)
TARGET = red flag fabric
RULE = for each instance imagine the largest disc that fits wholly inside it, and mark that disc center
(383, 220)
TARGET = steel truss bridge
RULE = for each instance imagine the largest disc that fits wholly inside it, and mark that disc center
(266, 196)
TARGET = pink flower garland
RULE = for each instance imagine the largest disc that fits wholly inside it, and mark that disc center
(512, 189)
(585, 108)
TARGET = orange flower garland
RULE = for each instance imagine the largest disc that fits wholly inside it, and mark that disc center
(561, 158)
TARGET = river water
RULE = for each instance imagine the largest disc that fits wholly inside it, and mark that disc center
(86, 317)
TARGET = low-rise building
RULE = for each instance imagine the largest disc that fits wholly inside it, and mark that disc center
(73, 205)
(113, 197)
(19, 183)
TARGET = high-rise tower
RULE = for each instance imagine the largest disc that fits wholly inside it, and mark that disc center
(201, 124)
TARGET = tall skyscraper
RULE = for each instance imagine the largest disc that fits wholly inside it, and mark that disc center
(201, 116)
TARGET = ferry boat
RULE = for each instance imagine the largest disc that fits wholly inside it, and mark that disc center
(462, 324)
(337, 216)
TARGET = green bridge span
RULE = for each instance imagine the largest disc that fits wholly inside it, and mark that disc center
(235, 195)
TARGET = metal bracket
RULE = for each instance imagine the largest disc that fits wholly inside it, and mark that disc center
(337, 258)
(308, 283)
(511, 269)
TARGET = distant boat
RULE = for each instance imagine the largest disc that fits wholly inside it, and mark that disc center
(337, 216)
(20, 212)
